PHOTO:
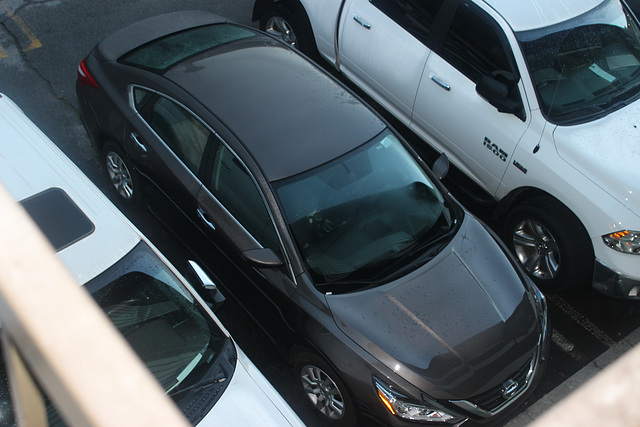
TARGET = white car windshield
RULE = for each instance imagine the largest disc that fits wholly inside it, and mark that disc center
(355, 214)
(175, 338)
(586, 67)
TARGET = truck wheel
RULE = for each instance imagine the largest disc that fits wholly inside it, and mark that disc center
(550, 243)
(122, 176)
(292, 27)
(324, 389)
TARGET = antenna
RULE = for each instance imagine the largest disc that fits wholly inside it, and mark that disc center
(553, 100)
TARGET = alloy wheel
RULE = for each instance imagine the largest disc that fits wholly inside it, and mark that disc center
(536, 249)
(323, 392)
(119, 175)
(279, 27)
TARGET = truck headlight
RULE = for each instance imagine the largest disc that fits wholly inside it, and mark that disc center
(405, 408)
(626, 241)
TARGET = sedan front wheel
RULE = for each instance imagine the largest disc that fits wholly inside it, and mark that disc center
(324, 390)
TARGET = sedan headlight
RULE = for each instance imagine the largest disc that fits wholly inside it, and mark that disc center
(405, 408)
(626, 241)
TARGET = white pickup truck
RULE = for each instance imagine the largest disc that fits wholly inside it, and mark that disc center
(536, 101)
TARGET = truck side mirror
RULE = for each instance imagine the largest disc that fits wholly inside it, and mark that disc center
(496, 93)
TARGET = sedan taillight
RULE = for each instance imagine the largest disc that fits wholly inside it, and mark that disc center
(84, 76)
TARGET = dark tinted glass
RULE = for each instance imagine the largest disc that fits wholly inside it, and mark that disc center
(59, 218)
(415, 16)
(232, 185)
(474, 46)
(181, 131)
(165, 52)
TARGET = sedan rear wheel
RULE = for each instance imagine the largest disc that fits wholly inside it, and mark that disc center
(324, 389)
(121, 174)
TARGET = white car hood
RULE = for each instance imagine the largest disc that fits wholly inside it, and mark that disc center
(607, 151)
(250, 400)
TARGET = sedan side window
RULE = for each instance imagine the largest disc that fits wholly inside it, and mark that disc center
(181, 131)
(232, 185)
(415, 16)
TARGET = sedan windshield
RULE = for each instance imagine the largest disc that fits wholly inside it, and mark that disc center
(586, 67)
(353, 215)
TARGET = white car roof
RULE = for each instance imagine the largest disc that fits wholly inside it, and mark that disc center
(30, 163)
(532, 14)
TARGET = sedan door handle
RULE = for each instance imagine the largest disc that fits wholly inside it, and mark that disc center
(440, 83)
(204, 217)
(135, 139)
(361, 22)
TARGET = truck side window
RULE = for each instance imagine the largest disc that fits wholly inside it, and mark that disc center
(475, 45)
(415, 16)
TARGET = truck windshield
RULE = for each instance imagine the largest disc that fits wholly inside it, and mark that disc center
(586, 67)
(354, 216)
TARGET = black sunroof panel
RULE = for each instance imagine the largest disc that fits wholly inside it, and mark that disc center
(59, 218)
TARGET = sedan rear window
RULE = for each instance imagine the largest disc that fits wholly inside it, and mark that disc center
(163, 53)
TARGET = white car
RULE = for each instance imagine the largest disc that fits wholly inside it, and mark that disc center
(535, 101)
(160, 314)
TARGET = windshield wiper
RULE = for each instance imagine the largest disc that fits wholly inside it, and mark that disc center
(202, 384)
(427, 251)
(346, 286)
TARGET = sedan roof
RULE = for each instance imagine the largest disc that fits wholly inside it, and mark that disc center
(287, 112)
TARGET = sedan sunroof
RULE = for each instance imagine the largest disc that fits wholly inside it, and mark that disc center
(59, 218)
(163, 53)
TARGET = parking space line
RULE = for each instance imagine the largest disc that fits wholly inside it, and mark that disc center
(599, 334)
(34, 43)
(567, 346)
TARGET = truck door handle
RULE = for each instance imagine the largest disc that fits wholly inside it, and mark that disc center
(361, 22)
(204, 217)
(440, 83)
(135, 139)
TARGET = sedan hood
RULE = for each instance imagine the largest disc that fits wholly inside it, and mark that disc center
(607, 151)
(458, 326)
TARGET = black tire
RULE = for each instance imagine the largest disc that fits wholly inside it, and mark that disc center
(324, 390)
(550, 243)
(123, 180)
(292, 27)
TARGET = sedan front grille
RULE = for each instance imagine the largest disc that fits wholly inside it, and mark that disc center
(493, 399)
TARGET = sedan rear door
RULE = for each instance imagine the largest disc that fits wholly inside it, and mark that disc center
(167, 144)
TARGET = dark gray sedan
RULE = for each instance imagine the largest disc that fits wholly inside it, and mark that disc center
(395, 303)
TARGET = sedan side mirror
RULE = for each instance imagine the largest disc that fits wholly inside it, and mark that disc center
(211, 294)
(496, 93)
(262, 257)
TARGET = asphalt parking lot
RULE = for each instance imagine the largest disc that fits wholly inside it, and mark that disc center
(41, 44)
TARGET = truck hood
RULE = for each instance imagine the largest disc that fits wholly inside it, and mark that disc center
(458, 326)
(607, 151)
